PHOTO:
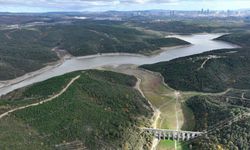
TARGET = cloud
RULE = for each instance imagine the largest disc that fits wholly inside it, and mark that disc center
(78, 2)
(76, 5)
(61, 5)
(100, 5)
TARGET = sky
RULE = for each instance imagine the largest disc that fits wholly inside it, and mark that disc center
(119, 5)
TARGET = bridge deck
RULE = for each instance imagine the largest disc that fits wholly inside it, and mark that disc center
(164, 134)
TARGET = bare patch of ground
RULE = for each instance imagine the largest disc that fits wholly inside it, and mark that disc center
(166, 102)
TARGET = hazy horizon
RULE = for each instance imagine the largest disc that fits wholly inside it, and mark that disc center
(39, 6)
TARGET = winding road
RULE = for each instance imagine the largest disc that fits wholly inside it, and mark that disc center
(154, 90)
(41, 102)
(200, 43)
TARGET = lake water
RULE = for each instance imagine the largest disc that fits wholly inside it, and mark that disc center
(200, 43)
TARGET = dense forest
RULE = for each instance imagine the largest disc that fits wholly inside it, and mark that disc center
(209, 111)
(240, 38)
(214, 71)
(27, 49)
(100, 110)
(103, 37)
(20, 53)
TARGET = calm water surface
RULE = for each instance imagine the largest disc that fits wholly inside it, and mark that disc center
(200, 43)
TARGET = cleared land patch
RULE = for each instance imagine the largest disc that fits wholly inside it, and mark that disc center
(164, 100)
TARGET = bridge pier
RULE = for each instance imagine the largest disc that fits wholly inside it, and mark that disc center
(159, 135)
(188, 136)
(183, 136)
(193, 135)
(175, 135)
(178, 136)
(169, 135)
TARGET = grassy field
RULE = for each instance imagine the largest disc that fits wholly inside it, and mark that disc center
(208, 109)
(198, 111)
(163, 99)
(99, 110)
(215, 71)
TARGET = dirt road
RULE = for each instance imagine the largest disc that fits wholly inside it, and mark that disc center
(41, 102)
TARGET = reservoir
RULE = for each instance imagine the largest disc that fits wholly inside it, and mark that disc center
(199, 43)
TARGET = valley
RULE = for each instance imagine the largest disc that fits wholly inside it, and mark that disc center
(89, 113)
(68, 83)
(26, 49)
(200, 43)
(225, 70)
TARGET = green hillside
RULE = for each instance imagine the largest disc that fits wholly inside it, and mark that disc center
(213, 71)
(28, 49)
(209, 72)
(20, 52)
(100, 110)
(242, 39)
(211, 110)
(86, 38)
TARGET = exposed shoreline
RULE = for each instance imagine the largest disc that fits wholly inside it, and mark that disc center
(61, 54)
(95, 61)
(52, 65)
(30, 74)
(43, 101)
(157, 113)
(26, 76)
(4, 83)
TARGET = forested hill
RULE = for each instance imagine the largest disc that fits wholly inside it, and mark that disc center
(91, 37)
(214, 71)
(100, 110)
(242, 38)
(210, 111)
(27, 49)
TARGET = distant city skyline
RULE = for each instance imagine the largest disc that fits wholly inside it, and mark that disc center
(118, 5)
